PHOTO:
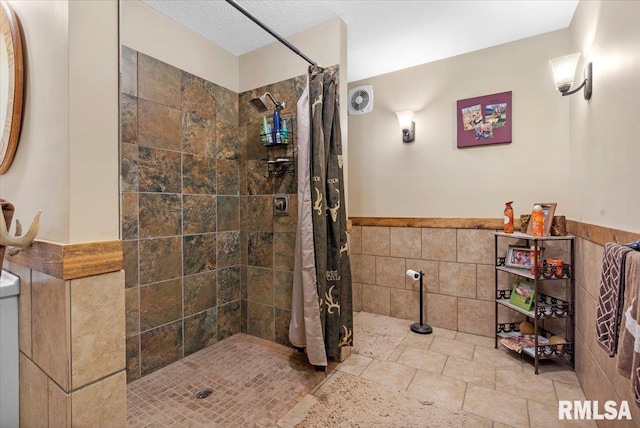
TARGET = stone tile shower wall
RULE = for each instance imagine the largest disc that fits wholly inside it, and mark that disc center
(180, 212)
(268, 241)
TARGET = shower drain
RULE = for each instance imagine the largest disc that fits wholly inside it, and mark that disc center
(204, 393)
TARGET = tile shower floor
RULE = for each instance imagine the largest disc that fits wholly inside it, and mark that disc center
(259, 383)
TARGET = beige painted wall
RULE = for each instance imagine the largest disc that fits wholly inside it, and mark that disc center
(93, 121)
(605, 152)
(431, 177)
(275, 62)
(68, 147)
(146, 30)
(69, 140)
(39, 175)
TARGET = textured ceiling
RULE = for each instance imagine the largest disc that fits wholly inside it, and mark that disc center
(382, 35)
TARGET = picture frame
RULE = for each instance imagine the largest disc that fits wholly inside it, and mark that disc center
(522, 294)
(548, 210)
(484, 120)
(518, 257)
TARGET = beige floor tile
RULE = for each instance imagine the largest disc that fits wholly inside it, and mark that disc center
(497, 406)
(422, 341)
(501, 425)
(422, 359)
(298, 413)
(319, 389)
(396, 353)
(388, 373)
(565, 391)
(558, 373)
(545, 416)
(440, 389)
(449, 334)
(526, 385)
(354, 365)
(475, 339)
(475, 421)
(500, 357)
(476, 372)
(452, 347)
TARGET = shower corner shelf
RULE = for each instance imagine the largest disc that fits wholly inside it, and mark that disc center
(279, 163)
(281, 157)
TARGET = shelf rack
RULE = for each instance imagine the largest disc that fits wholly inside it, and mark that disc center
(545, 306)
(281, 148)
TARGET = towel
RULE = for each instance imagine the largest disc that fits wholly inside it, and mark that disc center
(629, 355)
(610, 303)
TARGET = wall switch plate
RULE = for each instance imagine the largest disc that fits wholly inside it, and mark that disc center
(280, 205)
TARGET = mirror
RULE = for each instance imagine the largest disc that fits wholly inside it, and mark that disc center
(11, 85)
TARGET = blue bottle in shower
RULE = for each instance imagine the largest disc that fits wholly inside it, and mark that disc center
(277, 127)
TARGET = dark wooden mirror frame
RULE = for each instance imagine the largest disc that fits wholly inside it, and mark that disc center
(11, 37)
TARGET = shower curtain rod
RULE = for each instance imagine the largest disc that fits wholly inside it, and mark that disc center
(281, 39)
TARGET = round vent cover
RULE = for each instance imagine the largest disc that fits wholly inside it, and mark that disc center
(361, 100)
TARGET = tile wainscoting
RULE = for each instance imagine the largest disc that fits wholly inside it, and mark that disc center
(457, 262)
(71, 324)
(598, 374)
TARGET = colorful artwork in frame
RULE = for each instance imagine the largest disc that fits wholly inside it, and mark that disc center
(484, 120)
(522, 295)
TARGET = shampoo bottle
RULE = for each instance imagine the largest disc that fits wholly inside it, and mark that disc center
(285, 132)
(277, 133)
(269, 135)
(263, 131)
(508, 218)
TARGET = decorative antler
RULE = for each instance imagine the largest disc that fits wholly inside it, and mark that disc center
(331, 304)
(317, 206)
(17, 240)
(334, 210)
(346, 339)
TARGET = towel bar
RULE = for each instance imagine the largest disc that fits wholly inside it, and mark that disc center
(634, 245)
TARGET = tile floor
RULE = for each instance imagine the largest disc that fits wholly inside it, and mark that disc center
(257, 383)
(254, 382)
(464, 371)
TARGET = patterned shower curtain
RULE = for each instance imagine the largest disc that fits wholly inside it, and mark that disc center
(333, 264)
(322, 313)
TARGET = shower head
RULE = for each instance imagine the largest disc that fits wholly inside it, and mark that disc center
(260, 103)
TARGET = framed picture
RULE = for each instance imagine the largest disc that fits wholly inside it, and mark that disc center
(484, 120)
(548, 210)
(522, 295)
(518, 257)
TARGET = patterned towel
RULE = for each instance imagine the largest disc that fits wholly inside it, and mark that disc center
(629, 355)
(610, 304)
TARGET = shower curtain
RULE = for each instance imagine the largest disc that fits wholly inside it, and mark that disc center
(322, 312)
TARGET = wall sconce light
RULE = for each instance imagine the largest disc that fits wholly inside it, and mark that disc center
(408, 125)
(563, 70)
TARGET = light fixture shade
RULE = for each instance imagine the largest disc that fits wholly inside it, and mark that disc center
(408, 126)
(563, 70)
(405, 118)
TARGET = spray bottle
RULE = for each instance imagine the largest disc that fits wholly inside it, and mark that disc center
(508, 218)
